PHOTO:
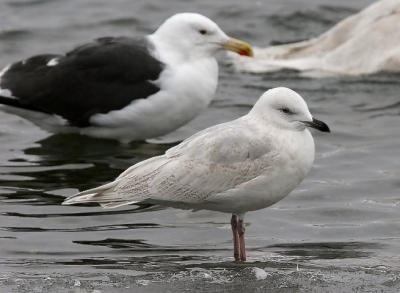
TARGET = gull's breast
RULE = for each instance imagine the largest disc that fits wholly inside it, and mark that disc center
(286, 168)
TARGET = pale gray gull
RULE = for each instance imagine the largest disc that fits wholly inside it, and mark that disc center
(123, 88)
(243, 165)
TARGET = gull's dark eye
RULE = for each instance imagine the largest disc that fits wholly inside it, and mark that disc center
(203, 32)
(286, 110)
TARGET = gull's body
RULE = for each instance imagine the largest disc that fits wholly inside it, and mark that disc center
(235, 167)
(123, 88)
(223, 168)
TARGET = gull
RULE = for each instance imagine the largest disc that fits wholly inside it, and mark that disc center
(341, 50)
(235, 167)
(123, 88)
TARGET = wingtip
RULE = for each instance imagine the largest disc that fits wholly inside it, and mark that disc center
(78, 198)
(66, 202)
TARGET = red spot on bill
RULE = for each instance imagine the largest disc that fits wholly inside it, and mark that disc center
(243, 52)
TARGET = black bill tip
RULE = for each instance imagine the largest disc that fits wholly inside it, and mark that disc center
(318, 124)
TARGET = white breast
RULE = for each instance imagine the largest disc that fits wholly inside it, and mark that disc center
(186, 90)
(287, 169)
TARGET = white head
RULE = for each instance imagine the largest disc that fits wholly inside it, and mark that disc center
(193, 34)
(286, 109)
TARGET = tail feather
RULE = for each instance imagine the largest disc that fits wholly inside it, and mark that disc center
(78, 198)
(117, 204)
(102, 195)
(109, 196)
(96, 190)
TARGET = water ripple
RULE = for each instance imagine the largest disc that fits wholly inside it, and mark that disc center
(83, 229)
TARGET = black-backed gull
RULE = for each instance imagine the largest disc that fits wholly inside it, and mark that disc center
(123, 88)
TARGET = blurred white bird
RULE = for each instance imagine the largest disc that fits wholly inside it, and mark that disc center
(363, 43)
(243, 165)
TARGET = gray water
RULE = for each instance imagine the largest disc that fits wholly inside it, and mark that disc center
(339, 231)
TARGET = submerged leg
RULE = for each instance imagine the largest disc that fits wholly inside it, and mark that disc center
(234, 225)
(241, 230)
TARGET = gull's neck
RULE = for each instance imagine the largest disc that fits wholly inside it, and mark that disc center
(167, 51)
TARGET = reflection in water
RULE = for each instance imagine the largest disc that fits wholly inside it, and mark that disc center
(84, 229)
(328, 250)
(135, 209)
(140, 245)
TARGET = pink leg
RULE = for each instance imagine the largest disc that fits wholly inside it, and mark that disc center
(241, 230)
(234, 225)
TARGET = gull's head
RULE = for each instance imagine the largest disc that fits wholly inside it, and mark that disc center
(193, 34)
(286, 109)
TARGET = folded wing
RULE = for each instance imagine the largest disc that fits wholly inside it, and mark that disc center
(215, 160)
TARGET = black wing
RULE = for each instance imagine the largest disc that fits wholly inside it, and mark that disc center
(98, 77)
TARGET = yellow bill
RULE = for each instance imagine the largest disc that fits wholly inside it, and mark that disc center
(238, 46)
